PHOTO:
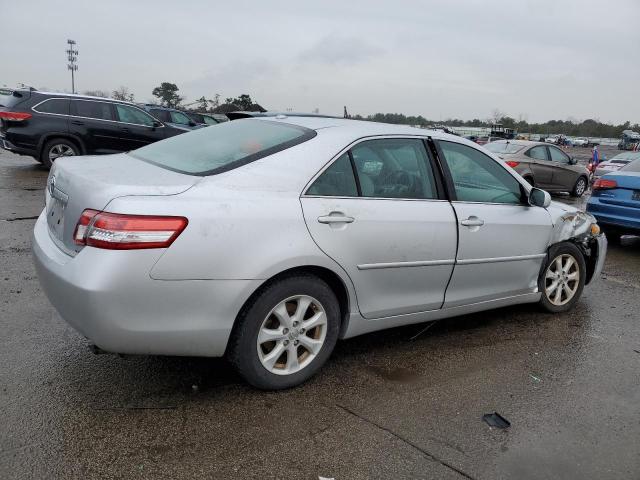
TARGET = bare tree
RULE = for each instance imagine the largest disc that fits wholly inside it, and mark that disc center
(122, 93)
(496, 116)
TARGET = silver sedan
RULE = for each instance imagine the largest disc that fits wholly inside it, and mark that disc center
(267, 240)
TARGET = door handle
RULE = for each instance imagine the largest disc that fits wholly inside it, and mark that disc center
(335, 217)
(76, 122)
(472, 221)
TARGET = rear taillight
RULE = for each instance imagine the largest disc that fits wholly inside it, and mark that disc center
(603, 184)
(14, 116)
(512, 164)
(116, 231)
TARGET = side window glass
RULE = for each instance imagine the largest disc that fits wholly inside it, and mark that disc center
(56, 105)
(209, 120)
(336, 181)
(90, 109)
(479, 178)
(180, 118)
(539, 152)
(394, 168)
(133, 115)
(558, 155)
(161, 115)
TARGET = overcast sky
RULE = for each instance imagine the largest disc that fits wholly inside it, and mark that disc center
(540, 59)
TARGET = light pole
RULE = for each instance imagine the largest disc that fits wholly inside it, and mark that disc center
(72, 56)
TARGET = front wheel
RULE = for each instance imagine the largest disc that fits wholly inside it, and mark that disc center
(286, 333)
(563, 278)
(580, 187)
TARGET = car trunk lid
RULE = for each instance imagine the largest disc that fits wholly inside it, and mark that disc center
(78, 183)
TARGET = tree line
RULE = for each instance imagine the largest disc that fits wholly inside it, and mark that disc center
(573, 128)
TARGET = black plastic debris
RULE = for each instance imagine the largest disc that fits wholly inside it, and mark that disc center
(496, 420)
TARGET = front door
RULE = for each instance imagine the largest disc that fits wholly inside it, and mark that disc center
(136, 128)
(564, 173)
(502, 240)
(541, 167)
(377, 211)
(94, 122)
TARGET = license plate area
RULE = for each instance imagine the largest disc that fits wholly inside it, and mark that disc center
(55, 217)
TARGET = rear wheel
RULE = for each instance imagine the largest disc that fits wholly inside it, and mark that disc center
(286, 333)
(563, 278)
(580, 187)
(56, 148)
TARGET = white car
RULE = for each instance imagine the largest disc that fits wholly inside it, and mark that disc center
(615, 163)
(268, 239)
(580, 142)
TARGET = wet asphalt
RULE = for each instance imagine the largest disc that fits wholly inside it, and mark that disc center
(385, 406)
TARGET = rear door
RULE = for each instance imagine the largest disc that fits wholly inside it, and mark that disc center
(136, 128)
(377, 211)
(94, 122)
(502, 241)
(540, 166)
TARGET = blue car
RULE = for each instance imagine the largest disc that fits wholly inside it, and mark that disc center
(615, 201)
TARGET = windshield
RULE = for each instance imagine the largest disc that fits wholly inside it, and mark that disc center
(208, 151)
(503, 147)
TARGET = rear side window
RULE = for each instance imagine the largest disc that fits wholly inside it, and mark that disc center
(58, 106)
(394, 168)
(208, 151)
(91, 109)
(336, 181)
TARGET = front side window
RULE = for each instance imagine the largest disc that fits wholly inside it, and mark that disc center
(336, 181)
(129, 114)
(208, 151)
(394, 168)
(558, 155)
(91, 109)
(538, 153)
(479, 178)
(59, 106)
(209, 120)
(180, 118)
(162, 115)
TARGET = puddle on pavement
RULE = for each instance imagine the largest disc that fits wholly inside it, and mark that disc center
(400, 374)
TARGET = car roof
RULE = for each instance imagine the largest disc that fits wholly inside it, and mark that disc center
(523, 143)
(358, 128)
(82, 97)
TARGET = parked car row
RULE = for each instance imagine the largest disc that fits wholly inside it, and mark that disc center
(47, 125)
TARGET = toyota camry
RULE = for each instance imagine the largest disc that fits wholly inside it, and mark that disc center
(266, 240)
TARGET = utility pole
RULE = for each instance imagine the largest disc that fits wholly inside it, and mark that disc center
(72, 56)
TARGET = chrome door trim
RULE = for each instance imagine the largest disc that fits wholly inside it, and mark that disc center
(517, 258)
(97, 119)
(420, 263)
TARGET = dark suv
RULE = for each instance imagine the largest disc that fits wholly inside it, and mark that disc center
(49, 125)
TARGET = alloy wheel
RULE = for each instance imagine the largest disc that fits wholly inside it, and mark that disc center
(562, 279)
(292, 335)
(581, 186)
(60, 150)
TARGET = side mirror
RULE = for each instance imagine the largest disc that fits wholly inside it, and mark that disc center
(572, 161)
(192, 123)
(157, 124)
(539, 198)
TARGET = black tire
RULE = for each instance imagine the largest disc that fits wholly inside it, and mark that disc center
(580, 187)
(561, 249)
(62, 143)
(243, 349)
(613, 235)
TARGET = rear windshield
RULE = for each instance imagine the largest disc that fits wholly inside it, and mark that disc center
(626, 156)
(10, 98)
(503, 147)
(212, 150)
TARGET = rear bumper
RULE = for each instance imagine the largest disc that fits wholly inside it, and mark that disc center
(624, 218)
(7, 145)
(109, 297)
